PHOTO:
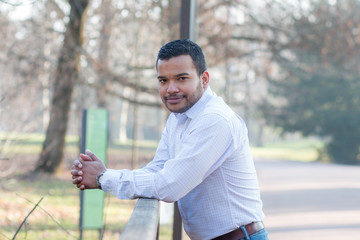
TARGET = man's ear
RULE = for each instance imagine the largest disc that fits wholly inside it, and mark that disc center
(205, 78)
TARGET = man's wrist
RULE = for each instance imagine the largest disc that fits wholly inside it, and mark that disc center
(98, 179)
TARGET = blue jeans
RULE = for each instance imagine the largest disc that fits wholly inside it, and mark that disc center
(260, 235)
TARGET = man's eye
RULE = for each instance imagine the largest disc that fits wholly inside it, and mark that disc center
(182, 78)
(162, 80)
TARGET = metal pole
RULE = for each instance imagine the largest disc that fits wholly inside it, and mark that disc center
(82, 150)
(187, 19)
(187, 31)
(177, 224)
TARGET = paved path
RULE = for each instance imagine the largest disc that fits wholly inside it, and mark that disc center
(310, 201)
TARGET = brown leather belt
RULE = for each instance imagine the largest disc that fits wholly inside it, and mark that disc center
(238, 234)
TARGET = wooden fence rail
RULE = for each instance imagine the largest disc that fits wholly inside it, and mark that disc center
(144, 221)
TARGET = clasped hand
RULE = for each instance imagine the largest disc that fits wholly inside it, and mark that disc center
(85, 170)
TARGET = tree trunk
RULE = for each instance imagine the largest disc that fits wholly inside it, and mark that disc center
(104, 42)
(124, 116)
(65, 79)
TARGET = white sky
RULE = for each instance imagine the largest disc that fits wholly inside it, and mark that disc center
(20, 12)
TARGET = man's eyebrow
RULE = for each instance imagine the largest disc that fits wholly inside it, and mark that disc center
(182, 74)
(177, 75)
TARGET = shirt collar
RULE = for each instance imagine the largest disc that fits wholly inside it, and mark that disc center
(198, 106)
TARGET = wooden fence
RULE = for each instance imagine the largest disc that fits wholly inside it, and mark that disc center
(144, 221)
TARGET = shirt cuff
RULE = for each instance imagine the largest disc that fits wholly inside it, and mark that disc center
(109, 180)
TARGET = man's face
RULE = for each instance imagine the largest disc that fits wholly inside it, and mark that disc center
(180, 87)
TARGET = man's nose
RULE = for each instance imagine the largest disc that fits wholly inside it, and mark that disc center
(172, 87)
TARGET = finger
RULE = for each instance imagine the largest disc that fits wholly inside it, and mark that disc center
(75, 172)
(91, 155)
(76, 177)
(81, 186)
(77, 164)
(77, 180)
(85, 157)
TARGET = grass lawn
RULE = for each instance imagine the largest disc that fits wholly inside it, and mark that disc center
(305, 150)
(298, 150)
(61, 203)
(57, 216)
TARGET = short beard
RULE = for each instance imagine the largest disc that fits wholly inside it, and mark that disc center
(189, 101)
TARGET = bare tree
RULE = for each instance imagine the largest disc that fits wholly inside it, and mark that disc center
(65, 79)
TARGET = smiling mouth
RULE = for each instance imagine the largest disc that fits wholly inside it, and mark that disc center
(174, 99)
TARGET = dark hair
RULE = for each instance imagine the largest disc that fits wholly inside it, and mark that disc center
(183, 47)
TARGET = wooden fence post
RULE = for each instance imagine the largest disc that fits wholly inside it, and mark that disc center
(144, 221)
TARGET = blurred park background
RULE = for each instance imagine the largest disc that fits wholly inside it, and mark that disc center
(289, 68)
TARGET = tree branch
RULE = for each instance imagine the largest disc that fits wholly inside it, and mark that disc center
(58, 9)
(19, 3)
(63, 228)
(119, 95)
(114, 77)
(37, 204)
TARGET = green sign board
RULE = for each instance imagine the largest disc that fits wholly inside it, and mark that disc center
(94, 138)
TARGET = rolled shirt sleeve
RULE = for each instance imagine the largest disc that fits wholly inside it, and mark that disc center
(202, 149)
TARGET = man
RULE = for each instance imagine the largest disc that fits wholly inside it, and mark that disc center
(203, 160)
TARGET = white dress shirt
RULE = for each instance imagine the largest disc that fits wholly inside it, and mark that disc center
(203, 161)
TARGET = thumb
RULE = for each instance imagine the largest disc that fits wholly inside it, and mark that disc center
(91, 155)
